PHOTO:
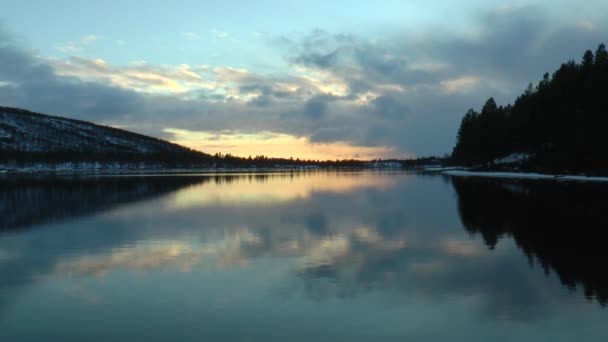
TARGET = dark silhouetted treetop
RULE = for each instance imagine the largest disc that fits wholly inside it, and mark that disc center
(588, 59)
(601, 55)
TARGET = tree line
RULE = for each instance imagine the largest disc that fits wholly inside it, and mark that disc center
(560, 122)
(180, 159)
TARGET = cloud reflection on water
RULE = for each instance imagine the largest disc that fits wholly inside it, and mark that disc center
(268, 189)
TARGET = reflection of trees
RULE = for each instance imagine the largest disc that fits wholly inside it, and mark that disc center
(561, 226)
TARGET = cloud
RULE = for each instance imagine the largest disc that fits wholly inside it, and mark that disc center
(139, 77)
(316, 108)
(219, 34)
(388, 107)
(191, 35)
(587, 25)
(78, 46)
(460, 84)
(143, 258)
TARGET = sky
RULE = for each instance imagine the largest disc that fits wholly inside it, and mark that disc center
(314, 79)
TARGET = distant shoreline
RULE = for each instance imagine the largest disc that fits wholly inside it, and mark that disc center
(182, 171)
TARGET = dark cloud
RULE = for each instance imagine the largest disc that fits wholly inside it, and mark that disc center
(317, 107)
(324, 61)
(389, 107)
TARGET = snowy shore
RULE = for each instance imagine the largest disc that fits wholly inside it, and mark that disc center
(523, 175)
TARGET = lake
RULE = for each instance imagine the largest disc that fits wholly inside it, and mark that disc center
(302, 256)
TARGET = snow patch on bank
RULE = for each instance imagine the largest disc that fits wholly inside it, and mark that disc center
(515, 158)
(441, 168)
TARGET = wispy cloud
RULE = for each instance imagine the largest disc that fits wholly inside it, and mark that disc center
(587, 25)
(219, 34)
(460, 84)
(138, 76)
(191, 35)
(73, 47)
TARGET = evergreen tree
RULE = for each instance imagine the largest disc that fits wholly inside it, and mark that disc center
(601, 55)
(588, 59)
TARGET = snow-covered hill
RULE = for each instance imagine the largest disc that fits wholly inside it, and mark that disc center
(25, 131)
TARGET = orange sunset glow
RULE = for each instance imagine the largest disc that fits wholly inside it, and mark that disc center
(277, 145)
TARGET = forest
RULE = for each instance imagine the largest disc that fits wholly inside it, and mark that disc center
(559, 123)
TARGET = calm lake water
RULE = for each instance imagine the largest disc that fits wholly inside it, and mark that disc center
(316, 256)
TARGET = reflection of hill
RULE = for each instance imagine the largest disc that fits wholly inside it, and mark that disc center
(25, 202)
(561, 226)
(33, 200)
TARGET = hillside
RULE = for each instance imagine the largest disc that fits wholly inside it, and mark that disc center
(27, 137)
(25, 131)
(556, 126)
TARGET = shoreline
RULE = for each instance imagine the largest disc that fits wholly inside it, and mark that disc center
(179, 171)
(450, 171)
(524, 175)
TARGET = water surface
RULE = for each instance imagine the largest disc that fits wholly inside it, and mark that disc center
(311, 256)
